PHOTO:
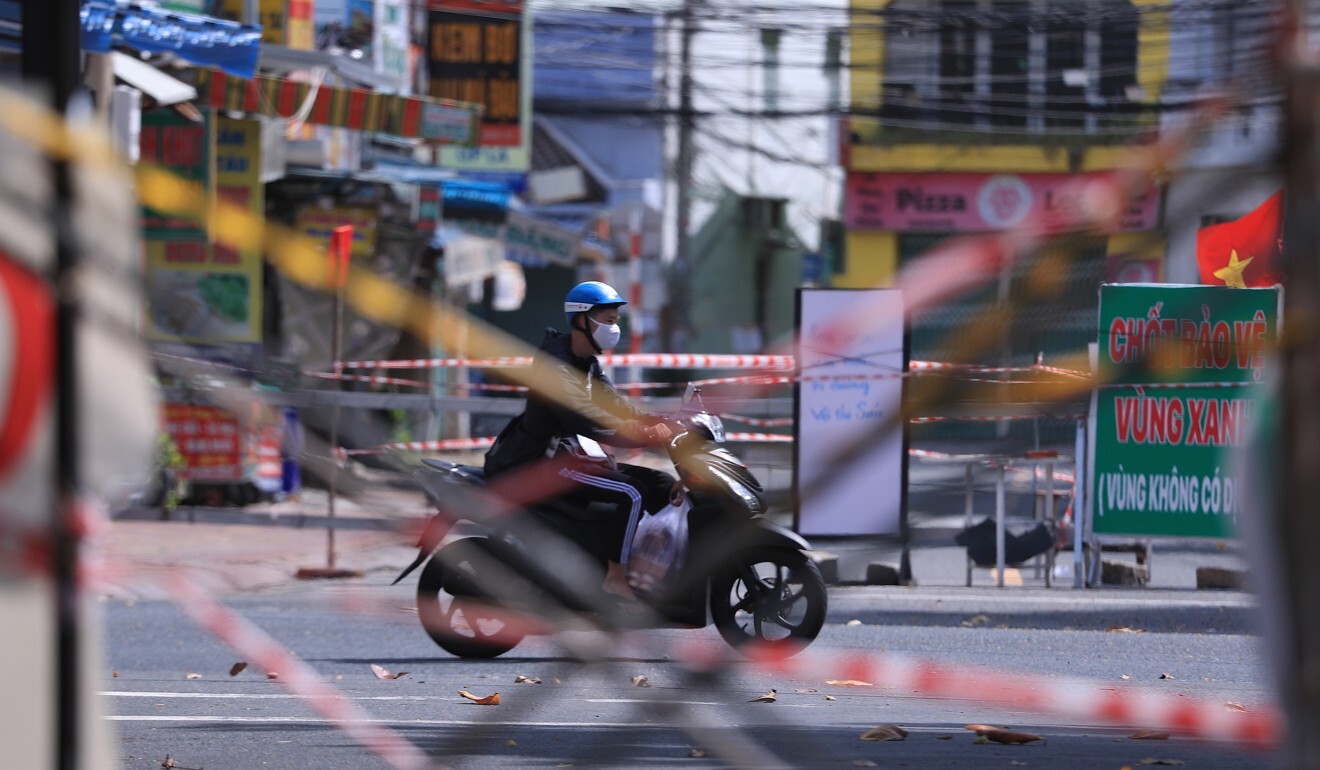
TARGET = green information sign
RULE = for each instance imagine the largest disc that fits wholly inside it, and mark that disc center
(1181, 371)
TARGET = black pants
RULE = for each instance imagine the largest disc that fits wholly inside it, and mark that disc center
(627, 492)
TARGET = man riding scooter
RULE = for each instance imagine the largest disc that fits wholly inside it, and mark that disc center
(572, 408)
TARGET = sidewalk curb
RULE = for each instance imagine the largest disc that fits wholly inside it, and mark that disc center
(296, 520)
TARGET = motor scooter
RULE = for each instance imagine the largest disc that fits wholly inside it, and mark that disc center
(491, 582)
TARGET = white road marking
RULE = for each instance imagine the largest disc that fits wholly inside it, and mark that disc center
(257, 696)
(407, 722)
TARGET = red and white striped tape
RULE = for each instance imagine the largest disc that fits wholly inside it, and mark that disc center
(649, 360)
(1259, 726)
(451, 444)
(991, 418)
(442, 445)
(764, 422)
(369, 379)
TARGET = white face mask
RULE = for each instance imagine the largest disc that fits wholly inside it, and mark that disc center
(605, 336)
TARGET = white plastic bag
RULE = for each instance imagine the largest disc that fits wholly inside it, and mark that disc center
(659, 548)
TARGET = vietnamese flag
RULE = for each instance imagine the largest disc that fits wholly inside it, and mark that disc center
(1245, 252)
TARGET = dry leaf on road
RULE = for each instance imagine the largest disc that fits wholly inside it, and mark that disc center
(884, 733)
(520, 679)
(640, 681)
(829, 697)
(978, 729)
(697, 754)
(272, 675)
(510, 744)
(1010, 738)
(1231, 706)
(1149, 735)
(1166, 676)
(1126, 630)
(489, 700)
(237, 668)
(193, 676)
(848, 683)
(767, 698)
(384, 673)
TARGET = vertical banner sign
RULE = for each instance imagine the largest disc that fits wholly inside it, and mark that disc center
(172, 142)
(851, 357)
(238, 182)
(475, 55)
(1181, 372)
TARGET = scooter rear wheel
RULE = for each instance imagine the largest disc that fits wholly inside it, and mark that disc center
(772, 598)
(463, 624)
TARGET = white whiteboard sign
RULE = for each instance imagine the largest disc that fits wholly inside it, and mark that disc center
(851, 357)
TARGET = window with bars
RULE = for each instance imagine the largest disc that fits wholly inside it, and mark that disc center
(1017, 65)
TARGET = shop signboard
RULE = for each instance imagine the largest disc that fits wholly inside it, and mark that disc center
(208, 438)
(481, 52)
(965, 202)
(283, 22)
(850, 455)
(184, 148)
(318, 223)
(218, 447)
(201, 294)
(238, 183)
(1181, 375)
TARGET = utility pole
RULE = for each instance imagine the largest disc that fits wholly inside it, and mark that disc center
(1291, 481)
(683, 263)
(51, 59)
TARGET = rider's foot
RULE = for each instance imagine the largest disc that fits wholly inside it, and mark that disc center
(616, 584)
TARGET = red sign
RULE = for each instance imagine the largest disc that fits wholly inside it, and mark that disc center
(980, 202)
(209, 438)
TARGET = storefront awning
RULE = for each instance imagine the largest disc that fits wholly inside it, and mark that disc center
(162, 88)
(438, 120)
(200, 40)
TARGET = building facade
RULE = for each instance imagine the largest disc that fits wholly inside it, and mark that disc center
(976, 116)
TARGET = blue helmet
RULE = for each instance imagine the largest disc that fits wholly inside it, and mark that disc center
(585, 296)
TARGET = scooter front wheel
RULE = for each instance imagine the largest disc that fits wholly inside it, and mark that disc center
(464, 624)
(771, 598)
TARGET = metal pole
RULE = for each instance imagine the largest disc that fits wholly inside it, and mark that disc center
(336, 347)
(635, 296)
(683, 262)
(51, 57)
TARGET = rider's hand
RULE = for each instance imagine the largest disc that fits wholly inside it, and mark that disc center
(647, 434)
(658, 433)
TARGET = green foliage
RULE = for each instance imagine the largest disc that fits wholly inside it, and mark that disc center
(168, 466)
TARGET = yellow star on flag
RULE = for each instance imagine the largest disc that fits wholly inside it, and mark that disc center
(1231, 274)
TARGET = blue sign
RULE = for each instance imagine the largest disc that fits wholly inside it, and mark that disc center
(229, 46)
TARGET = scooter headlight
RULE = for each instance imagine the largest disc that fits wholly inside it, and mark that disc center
(749, 498)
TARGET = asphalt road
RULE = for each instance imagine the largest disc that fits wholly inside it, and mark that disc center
(1194, 645)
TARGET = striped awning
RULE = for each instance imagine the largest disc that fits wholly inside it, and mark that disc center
(443, 121)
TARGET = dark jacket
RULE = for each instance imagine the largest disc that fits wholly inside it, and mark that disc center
(569, 396)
